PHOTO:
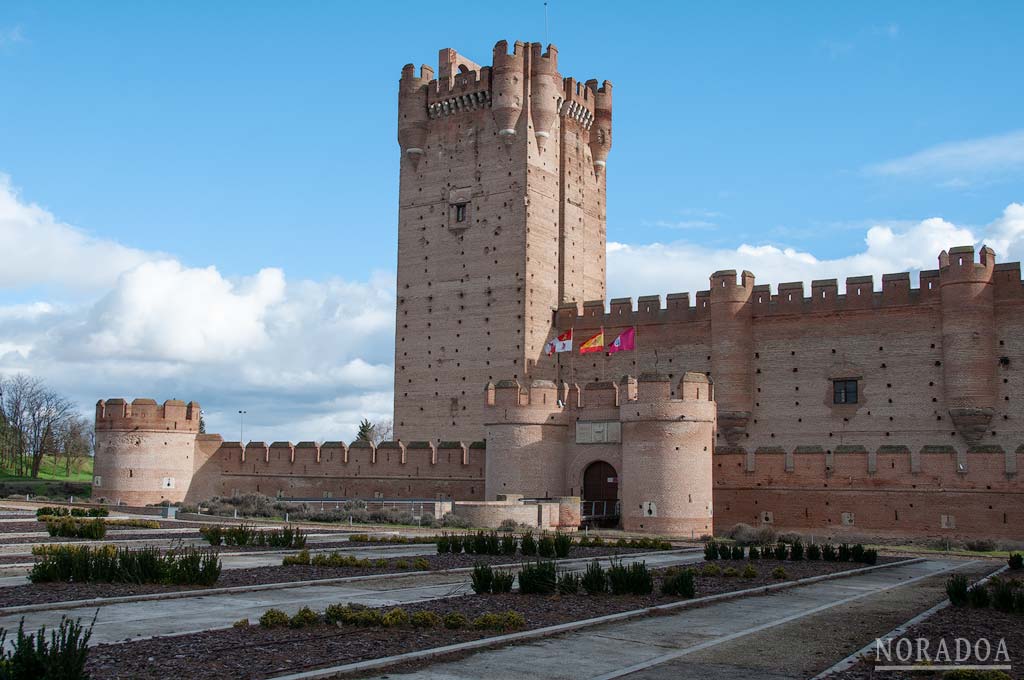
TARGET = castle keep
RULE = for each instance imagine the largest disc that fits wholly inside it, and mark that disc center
(853, 409)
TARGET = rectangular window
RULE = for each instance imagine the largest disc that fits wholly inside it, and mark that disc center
(460, 212)
(844, 391)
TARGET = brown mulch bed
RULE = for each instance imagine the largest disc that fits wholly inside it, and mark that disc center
(255, 652)
(949, 624)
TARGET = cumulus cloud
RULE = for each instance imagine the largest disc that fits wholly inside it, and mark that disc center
(684, 266)
(49, 251)
(956, 163)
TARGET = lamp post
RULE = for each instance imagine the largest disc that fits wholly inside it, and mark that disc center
(241, 426)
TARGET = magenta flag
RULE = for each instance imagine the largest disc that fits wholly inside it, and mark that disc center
(625, 341)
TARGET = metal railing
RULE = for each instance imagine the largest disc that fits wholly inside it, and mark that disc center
(599, 509)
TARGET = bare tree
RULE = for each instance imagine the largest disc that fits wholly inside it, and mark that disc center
(34, 421)
(383, 431)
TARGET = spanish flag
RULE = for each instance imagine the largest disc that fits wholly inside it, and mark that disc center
(594, 344)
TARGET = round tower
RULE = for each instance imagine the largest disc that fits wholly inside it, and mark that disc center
(732, 351)
(968, 338)
(666, 456)
(545, 90)
(525, 440)
(412, 111)
(145, 452)
(601, 130)
(507, 77)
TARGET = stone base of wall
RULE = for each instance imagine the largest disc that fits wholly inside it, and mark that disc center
(669, 526)
(560, 514)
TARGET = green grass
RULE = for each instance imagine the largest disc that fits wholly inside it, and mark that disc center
(47, 472)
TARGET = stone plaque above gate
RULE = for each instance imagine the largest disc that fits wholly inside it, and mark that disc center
(598, 432)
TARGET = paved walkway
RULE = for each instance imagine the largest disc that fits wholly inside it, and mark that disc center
(118, 622)
(639, 648)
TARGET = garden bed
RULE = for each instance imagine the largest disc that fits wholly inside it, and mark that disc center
(257, 652)
(136, 535)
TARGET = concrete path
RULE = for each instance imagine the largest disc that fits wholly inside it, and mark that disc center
(641, 648)
(119, 622)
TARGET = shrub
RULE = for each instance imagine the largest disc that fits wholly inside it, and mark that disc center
(749, 571)
(241, 623)
(781, 551)
(730, 572)
(513, 620)
(679, 583)
(753, 553)
(395, 617)
(455, 621)
(61, 655)
(425, 620)
(489, 622)
(779, 573)
(60, 511)
(482, 578)
(870, 556)
(304, 617)
(796, 551)
(814, 552)
(634, 579)
(274, 618)
(509, 543)
(595, 579)
(844, 552)
(1003, 594)
(710, 550)
(744, 534)
(507, 525)
(956, 590)
(980, 545)
(563, 543)
(443, 544)
(380, 563)
(70, 527)
(301, 558)
(450, 519)
(857, 553)
(568, 583)
(737, 552)
(502, 582)
(342, 613)
(977, 596)
(538, 578)
(481, 544)
(248, 535)
(1016, 561)
(711, 570)
(456, 544)
(828, 552)
(421, 564)
(493, 544)
(401, 564)
(107, 564)
(528, 545)
(546, 546)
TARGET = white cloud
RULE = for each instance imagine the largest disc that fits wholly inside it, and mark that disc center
(683, 266)
(44, 250)
(11, 36)
(956, 163)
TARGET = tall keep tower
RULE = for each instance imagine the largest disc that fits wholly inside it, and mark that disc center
(501, 218)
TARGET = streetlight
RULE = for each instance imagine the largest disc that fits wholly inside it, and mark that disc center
(241, 426)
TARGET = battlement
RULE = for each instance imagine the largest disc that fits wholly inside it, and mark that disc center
(957, 265)
(553, 398)
(544, 61)
(359, 451)
(147, 415)
(503, 58)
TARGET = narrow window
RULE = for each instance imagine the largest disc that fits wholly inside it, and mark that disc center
(460, 212)
(844, 391)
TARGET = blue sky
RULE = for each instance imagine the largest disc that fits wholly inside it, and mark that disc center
(794, 139)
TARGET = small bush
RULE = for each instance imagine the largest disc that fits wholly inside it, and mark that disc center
(502, 582)
(425, 620)
(980, 545)
(507, 525)
(711, 570)
(828, 552)
(737, 552)
(956, 590)
(304, 617)
(395, 617)
(509, 543)
(528, 545)
(744, 534)
(455, 621)
(634, 579)
(452, 520)
(977, 596)
(1002, 594)
(814, 552)
(870, 556)
(539, 578)
(679, 583)
(402, 564)
(482, 578)
(455, 544)
(796, 551)
(546, 546)
(844, 552)
(779, 573)
(482, 545)
(443, 544)
(340, 613)
(730, 572)
(241, 623)
(563, 543)
(753, 553)
(781, 551)
(749, 571)
(421, 564)
(513, 620)
(61, 655)
(1016, 561)
(300, 558)
(568, 583)
(711, 550)
(857, 553)
(70, 527)
(595, 579)
(274, 618)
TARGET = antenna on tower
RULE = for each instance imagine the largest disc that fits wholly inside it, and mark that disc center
(545, 23)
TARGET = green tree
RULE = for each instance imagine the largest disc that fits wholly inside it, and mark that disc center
(365, 433)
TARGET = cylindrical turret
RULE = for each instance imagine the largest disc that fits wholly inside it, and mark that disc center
(412, 111)
(732, 350)
(968, 338)
(145, 453)
(601, 130)
(545, 90)
(525, 439)
(666, 456)
(507, 78)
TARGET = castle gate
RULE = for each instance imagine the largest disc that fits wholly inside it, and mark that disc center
(600, 492)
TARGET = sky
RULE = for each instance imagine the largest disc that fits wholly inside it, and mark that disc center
(199, 200)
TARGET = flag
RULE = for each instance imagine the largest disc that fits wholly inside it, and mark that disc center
(625, 341)
(563, 343)
(594, 344)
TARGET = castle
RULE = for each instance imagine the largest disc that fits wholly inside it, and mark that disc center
(889, 411)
